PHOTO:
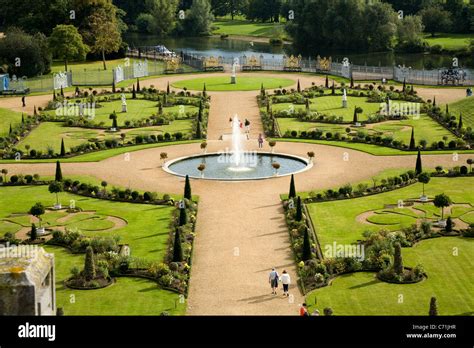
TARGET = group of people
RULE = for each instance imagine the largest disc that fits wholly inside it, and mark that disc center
(274, 279)
(246, 124)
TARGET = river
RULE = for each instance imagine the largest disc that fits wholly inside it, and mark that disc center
(215, 46)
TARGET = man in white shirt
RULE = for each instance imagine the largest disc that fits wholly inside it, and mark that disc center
(273, 280)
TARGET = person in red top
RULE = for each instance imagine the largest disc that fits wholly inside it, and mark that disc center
(303, 310)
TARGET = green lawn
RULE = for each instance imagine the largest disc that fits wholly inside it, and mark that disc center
(425, 128)
(49, 134)
(344, 229)
(97, 65)
(244, 83)
(137, 109)
(371, 149)
(450, 41)
(466, 108)
(146, 232)
(449, 280)
(332, 106)
(128, 296)
(246, 28)
(7, 118)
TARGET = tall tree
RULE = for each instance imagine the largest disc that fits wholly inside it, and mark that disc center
(59, 174)
(435, 19)
(66, 43)
(292, 193)
(177, 248)
(419, 165)
(89, 265)
(299, 210)
(412, 139)
(187, 189)
(63, 148)
(104, 27)
(199, 18)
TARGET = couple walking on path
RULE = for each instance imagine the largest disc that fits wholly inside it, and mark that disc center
(274, 278)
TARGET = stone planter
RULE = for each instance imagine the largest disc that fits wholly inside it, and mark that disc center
(58, 206)
(423, 198)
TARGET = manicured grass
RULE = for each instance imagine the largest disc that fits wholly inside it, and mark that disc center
(147, 233)
(332, 106)
(343, 227)
(449, 280)
(378, 177)
(102, 155)
(79, 67)
(244, 83)
(7, 118)
(372, 149)
(466, 108)
(49, 134)
(137, 109)
(450, 41)
(128, 296)
(246, 28)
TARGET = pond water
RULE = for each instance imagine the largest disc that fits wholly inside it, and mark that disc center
(221, 166)
(229, 48)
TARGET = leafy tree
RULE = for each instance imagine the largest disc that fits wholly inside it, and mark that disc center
(199, 18)
(4, 173)
(31, 51)
(424, 178)
(59, 174)
(177, 248)
(56, 187)
(292, 193)
(435, 19)
(307, 255)
(433, 307)
(66, 43)
(89, 265)
(470, 161)
(442, 201)
(104, 27)
(225, 7)
(187, 189)
(163, 18)
(37, 210)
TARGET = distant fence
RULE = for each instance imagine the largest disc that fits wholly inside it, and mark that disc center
(151, 63)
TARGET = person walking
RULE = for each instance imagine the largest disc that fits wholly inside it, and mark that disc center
(23, 101)
(273, 280)
(260, 141)
(231, 121)
(285, 281)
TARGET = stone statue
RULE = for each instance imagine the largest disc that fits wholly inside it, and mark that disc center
(344, 99)
(124, 103)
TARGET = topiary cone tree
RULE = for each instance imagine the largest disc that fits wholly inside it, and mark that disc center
(333, 89)
(327, 82)
(198, 130)
(356, 118)
(449, 225)
(63, 148)
(306, 246)
(404, 85)
(397, 259)
(298, 88)
(33, 233)
(59, 174)
(134, 92)
(177, 248)
(183, 217)
(168, 89)
(292, 193)
(89, 265)
(299, 210)
(460, 124)
(187, 189)
(433, 307)
(138, 85)
(352, 82)
(418, 166)
(412, 140)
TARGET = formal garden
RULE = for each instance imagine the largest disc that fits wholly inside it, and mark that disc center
(361, 116)
(98, 120)
(400, 238)
(114, 242)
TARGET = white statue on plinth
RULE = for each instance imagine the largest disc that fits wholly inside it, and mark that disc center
(233, 78)
(124, 103)
(344, 99)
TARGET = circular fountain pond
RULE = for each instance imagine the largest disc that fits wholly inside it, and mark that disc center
(250, 166)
